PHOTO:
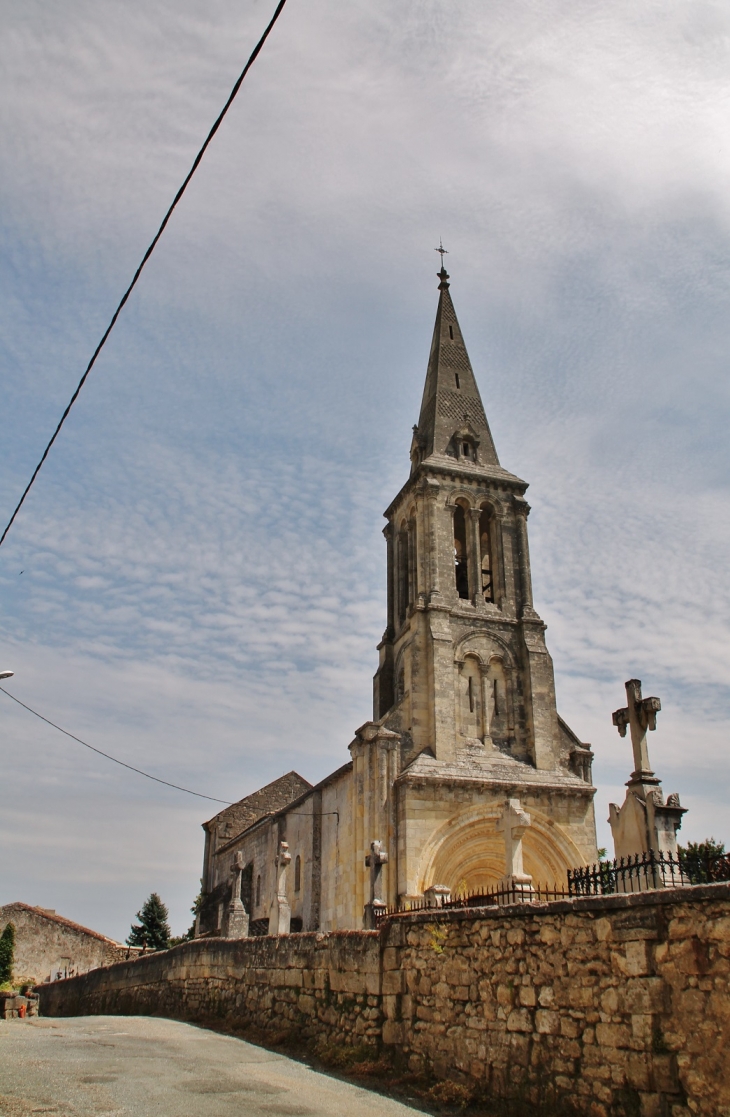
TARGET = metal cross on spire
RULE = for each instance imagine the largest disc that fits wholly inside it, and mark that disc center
(442, 250)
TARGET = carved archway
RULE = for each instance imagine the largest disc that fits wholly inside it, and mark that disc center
(467, 852)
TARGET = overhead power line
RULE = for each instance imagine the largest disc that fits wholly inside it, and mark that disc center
(122, 764)
(145, 258)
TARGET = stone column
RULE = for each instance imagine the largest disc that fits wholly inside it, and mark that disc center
(512, 824)
(431, 542)
(486, 697)
(235, 923)
(375, 861)
(522, 510)
(280, 912)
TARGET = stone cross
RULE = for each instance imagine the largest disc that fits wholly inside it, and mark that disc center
(643, 822)
(237, 867)
(280, 911)
(375, 861)
(512, 824)
(236, 917)
(639, 715)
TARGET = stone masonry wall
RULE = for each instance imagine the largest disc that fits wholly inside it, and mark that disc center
(315, 986)
(620, 1003)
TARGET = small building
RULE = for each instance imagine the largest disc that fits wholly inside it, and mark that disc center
(49, 947)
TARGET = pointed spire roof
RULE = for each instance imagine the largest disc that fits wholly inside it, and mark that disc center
(451, 402)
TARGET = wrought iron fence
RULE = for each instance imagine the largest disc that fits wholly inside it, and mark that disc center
(641, 873)
(514, 893)
(649, 870)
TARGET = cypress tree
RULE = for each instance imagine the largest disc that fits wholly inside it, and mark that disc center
(7, 953)
(153, 930)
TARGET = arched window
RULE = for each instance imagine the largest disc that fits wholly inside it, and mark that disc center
(497, 701)
(258, 890)
(297, 873)
(461, 562)
(247, 886)
(403, 573)
(471, 698)
(485, 548)
(400, 684)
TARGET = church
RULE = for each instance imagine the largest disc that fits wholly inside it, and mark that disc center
(465, 733)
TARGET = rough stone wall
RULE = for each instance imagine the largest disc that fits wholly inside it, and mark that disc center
(318, 987)
(620, 1003)
(46, 943)
(617, 1001)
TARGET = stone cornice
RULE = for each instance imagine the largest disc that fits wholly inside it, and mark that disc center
(448, 469)
(572, 786)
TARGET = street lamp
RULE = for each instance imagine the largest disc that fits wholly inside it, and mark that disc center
(6, 674)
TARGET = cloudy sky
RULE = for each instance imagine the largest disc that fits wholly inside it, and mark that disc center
(202, 583)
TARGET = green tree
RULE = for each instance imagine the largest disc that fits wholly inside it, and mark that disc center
(708, 848)
(698, 859)
(7, 953)
(153, 930)
(190, 933)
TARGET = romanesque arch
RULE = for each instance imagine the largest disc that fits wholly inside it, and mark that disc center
(467, 852)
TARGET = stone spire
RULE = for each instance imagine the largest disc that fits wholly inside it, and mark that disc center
(451, 402)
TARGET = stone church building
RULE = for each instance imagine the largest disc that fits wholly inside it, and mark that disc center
(467, 775)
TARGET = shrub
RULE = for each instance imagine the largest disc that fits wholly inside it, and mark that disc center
(7, 953)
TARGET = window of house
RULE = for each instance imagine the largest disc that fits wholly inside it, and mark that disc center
(258, 890)
(297, 873)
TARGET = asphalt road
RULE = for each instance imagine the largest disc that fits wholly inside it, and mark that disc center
(118, 1065)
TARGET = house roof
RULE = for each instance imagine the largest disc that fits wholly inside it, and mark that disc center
(267, 800)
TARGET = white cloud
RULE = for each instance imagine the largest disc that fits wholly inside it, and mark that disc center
(203, 571)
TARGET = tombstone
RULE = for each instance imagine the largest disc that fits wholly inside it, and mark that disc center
(644, 821)
(280, 911)
(375, 861)
(437, 895)
(512, 824)
(235, 923)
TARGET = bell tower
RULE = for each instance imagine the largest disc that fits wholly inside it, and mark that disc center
(464, 669)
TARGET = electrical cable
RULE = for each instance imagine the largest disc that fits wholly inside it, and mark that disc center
(131, 767)
(145, 258)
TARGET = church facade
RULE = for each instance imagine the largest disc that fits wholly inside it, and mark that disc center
(465, 724)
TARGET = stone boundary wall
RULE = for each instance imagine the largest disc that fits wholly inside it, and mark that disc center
(620, 1003)
(319, 987)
